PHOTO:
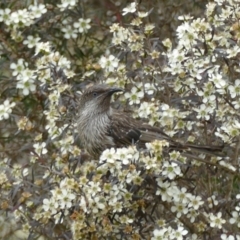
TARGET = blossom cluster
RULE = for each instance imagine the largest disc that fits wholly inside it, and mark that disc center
(185, 187)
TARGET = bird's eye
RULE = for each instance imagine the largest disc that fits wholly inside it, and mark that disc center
(95, 94)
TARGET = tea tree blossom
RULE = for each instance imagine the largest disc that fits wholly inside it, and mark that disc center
(37, 10)
(192, 214)
(69, 32)
(166, 190)
(134, 96)
(235, 218)
(212, 201)
(108, 155)
(109, 63)
(195, 202)
(50, 205)
(159, 234)
(189, 89)
(6, 109)
(180, 209)
(182, 196)
(234, 90)
(180, 232)
(171, 170)
(82, 25)
(67, 4)
(97, 204)
(31, 41)
(131, 8)
(123, 155)
(218, 80)
(65, 199)
(216, 220)
(18, 67)
(5, 16)
(204, 112)
(26, 81)
(229, 237)
(22, 16)
(40, 148)
(93, 188)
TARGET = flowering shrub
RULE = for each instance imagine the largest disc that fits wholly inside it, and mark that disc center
(185, 82)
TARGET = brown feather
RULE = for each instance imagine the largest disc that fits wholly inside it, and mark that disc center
(102, 127)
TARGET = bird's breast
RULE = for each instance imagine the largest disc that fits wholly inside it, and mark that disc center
(93, 133)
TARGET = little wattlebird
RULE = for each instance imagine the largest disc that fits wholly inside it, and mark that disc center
(101, 127)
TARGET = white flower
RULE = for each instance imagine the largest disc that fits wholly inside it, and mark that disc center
(134, 96)
(180, 208)
(149, 88)
(148, 28)
(50, 205)
(195, 202)
(227, 237)
(120, 35)
(192, 214)
(25, 172)
(22, 16)
(26, 81)
(181, 196)
(82, 25)
(42, 46)
(171, 170)
(131, 8)
(5, 16)
(235, 218)
(235, 90)
(40, 148)
(204, 111)
(145, 109)
(217, 79)
(37, 10)
(150, 162)
(233, 51)
(83, 204)
(6, 109)
(67, 4)
(212, 201)
(19, 67)
(108, 155)
(31, 41)
(134, 177)
(65, 199)
(109, 63)
(96, 204)
(187, 34)
(159, 233)
(58, 218)
(69, 32)
(216, 221)
(166, 190)
(93, 188)
(123, 155)
(180, 232)
(143, 14)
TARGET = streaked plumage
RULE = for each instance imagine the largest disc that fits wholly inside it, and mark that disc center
(101, 127)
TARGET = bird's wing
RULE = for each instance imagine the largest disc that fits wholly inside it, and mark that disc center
(126, 130)
(123, 130)
(150, 133)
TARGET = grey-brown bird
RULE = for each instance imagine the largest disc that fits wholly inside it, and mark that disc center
(101, 127)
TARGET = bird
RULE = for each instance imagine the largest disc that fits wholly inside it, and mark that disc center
(100, 126)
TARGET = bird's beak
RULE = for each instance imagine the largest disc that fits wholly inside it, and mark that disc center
(114, 89)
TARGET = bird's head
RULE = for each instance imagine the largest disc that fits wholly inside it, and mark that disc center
(96, 99)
